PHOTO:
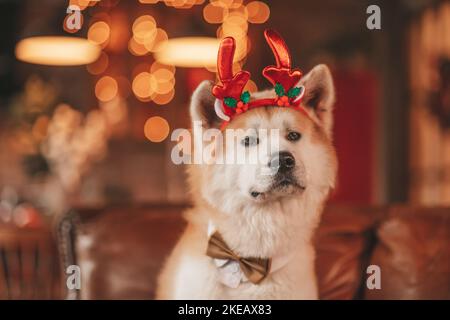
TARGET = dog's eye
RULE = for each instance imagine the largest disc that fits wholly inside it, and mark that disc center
(249, 141)
(293, 136)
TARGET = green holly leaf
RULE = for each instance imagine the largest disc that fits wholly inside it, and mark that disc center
(279, 90)
(230, 102)
(293, 92)
(245, 97)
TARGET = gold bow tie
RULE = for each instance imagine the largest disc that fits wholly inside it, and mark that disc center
(255, 269)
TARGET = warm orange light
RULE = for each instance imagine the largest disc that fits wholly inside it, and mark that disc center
(251, 86)
(100, 65)
(180, 4)
(82, 4)
(175, 3)
(142, 85)
(224, 3)
(240, 12)
(57, 51)
(258, 12)
(235, 24)
(189, 52)
(156, 129)
(106, 89)
(165, 79)
(148, 85)
(240, 37)
(162, 99)
(144, 29)
(163, 75)
(136, 48)
(214, 13)
(164, 87)
(159, 42)
(99, 32)
(157, 66)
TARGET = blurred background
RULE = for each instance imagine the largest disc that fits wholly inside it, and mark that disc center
(87, 122)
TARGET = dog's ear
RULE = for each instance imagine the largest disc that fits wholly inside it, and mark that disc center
(319, 95)
(202, 106)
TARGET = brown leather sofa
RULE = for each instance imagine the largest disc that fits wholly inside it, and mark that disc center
(121, 250)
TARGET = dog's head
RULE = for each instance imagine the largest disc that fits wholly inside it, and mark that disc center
(293, 149)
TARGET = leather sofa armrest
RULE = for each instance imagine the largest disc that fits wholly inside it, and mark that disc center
(413, 254)
(66, 237)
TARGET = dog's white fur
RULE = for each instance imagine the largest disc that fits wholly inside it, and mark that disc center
(283, 223)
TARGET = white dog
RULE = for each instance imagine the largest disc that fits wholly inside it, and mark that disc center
(257, 215)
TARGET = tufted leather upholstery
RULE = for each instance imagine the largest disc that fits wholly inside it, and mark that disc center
(121, 250)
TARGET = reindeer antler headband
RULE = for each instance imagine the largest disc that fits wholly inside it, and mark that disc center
(232, 101)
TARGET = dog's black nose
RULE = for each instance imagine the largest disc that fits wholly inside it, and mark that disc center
(284, 162)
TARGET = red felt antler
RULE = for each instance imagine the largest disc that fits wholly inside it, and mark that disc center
(281, 73)
(232, 85)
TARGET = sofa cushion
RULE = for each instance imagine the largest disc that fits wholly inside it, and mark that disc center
(120, 251)
(413, 253)
(343, 243)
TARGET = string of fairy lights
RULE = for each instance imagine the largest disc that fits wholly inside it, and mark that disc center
(155, 82)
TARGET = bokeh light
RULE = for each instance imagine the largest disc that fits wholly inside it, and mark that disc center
(99, 66)
(156, 66)
(163, 99)
(106, 89)
(214, 13)
(82, 4)
(156, 129)
(57, 51)
(251, 86)
(154, 83)
(144, 29)
(258, 12)
(136, 48)
(142, 86)
(234, 17)
(99, 33)
(159, 42)
(189, 52)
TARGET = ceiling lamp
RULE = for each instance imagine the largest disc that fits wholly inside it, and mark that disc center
(57, 51)
(190, 52)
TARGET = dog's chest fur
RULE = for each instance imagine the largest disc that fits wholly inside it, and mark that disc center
(191, 274)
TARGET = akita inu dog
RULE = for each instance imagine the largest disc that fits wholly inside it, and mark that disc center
(249, 235)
